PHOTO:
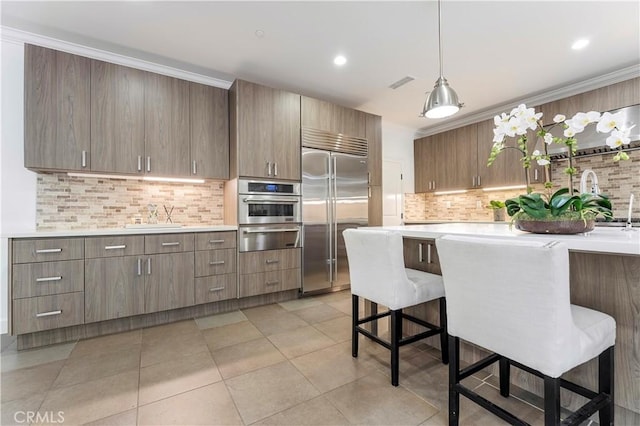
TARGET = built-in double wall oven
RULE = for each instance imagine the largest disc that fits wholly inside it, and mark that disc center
(269, 215)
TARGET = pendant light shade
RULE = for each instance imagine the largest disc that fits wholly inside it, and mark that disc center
(443, 100)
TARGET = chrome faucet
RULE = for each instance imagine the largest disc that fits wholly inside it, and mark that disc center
(594, 182)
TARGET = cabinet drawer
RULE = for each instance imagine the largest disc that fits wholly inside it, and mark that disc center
(269, 260)
(215, 240)
(421, 255)
(168, 243)
(269, 282)
(47, 312)
(47, 250)
(215, 262)
(215, 288)
(112, 246)
(41, 279)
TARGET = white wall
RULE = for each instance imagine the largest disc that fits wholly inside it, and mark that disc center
(17, 184)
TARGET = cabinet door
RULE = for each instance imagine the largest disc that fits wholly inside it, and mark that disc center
(350, 122)
(209, 111)
(166, 126)
(57, 107)
(566, 106)
(612, 97)
(374, 141)
(463, 164)
(507, 170)
(421, 255)
(375, 206)
(117, 118)
(285, 138)
(114, 288)
(316, 114)
(169, 281)
(420, 164)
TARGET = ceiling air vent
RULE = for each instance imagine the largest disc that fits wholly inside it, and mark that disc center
(401, 82)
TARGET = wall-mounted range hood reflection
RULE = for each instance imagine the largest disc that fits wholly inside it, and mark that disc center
(590, 142)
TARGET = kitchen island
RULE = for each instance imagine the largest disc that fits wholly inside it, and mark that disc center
(605, 275)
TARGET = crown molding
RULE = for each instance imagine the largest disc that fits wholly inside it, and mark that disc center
(608, 79)
(17, 36)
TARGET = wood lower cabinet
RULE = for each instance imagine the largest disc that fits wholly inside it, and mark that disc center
(209, 120)
(421, 255)
(215, 267)
(117, 118)
(166, 124)
(169, 281)
(269, 271)
(265, 131)
(57, 110)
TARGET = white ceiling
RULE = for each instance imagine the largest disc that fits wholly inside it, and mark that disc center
(494, 51)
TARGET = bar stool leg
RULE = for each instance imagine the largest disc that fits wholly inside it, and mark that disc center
(606, 385)
(505, 372)
(444, 344)
(396, 335)
(355, 306)
(551, 401)
(454, 370)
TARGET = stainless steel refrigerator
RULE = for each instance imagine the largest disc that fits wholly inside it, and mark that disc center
(334, 198)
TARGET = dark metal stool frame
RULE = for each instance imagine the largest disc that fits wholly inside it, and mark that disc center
(396, 332)
(601, 401)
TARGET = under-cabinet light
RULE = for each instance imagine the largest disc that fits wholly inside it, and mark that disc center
(504, 188)
(133, 177)
(170, 179)
(102, 176)
(457, 191)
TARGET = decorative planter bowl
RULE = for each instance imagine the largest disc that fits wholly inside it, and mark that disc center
(575, 226)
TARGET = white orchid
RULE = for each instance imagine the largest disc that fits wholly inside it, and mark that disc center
(619, 138)
(576, 125)
(498, 136)
(559, 118)
(609, 122)
(548, 138)
(500, 119)
(569, 132)
(543, 161)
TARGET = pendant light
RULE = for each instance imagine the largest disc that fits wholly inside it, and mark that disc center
(443, 100)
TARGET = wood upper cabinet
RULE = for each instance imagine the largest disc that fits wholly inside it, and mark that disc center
(57, 110)
(322, 115)
(506, 169)
(424, 153)
(265, 131)
(566, 106)
(209, 113)
(612, 97)
(117, 118)
(374, 142)
(166, 123)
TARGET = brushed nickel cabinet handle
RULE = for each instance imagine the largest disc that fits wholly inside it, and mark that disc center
(139, 163)
(420, 258)
(268, 168)
(269, 261)
(479, 181)
(139, 266)
(174, 243)
(45, 251)
(195, 168)
(148, 164)
(48, 314)
(473, 182)
(428, 253)
(149, 266)
(117, 247)
(535, 174)
(216, 241)
(217, 262)
(272, 282)
(214, 289)
(84, 158)
(47, 279)
(275, 169)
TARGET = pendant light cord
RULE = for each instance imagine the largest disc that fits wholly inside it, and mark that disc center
(440, 36)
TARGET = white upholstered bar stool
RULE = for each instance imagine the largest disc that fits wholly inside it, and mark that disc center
(512, 298)
(378, 274)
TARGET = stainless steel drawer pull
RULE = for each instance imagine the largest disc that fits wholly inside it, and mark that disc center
(46, 279)
(148, 164)
(195, 168)
(272, 282)
(267, 231)
(214, 289)
(139, 266)
(139, 163)
(42, 251)
(428, 253)
(175, 243)
(270, 200)
(420, 257)
(269, 261)
(84, 158)
(122, 246)
(268, 168)
(275, 169)
(216, 241)
(48, 314)
(217, 262)
(149, 266)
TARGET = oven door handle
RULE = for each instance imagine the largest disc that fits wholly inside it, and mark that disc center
(264, 231)
(271, 200)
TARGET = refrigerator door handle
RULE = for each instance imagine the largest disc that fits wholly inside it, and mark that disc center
(330, 218)
(334, 219)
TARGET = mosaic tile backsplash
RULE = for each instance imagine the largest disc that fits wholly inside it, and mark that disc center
(616, 179)
(65, 203)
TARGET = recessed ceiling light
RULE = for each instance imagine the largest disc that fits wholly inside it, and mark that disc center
(259, 33)
(580, 44)
(339, 60)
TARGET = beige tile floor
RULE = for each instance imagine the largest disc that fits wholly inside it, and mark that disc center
(283, 364)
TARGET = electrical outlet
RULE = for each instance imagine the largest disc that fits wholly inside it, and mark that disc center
(447, 204)
(478, 204)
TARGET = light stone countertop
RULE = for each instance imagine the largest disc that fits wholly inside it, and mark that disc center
(600, 240)
(138, 230)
